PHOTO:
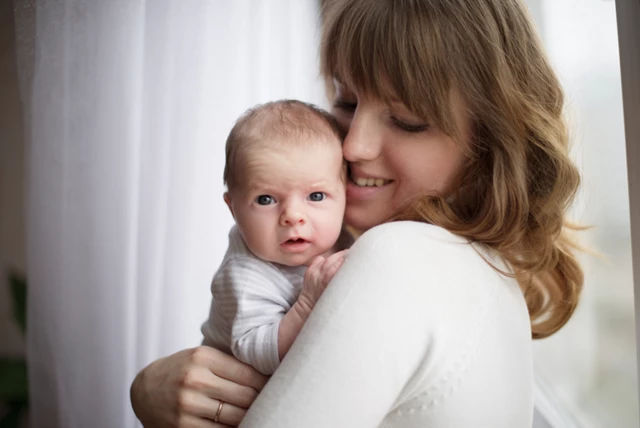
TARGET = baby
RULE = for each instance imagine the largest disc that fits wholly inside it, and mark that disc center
(285, 180)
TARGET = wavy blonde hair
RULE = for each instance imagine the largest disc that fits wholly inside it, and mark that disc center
(519, 179)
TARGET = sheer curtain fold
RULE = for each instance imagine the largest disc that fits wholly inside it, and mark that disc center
(129, 105)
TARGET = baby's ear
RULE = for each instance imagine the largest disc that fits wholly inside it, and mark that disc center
(227, 200)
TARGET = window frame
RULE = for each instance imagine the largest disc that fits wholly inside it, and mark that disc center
(628, 14)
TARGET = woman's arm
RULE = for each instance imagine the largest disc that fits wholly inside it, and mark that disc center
(184, 389)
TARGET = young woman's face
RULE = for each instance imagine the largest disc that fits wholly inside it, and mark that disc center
(394, 157)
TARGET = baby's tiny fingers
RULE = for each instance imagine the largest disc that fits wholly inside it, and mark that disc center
(334, 262)
(340, 255)
(330, 271)
(315, 267)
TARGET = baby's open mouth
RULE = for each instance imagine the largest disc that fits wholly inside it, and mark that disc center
(293, 241)
(296, 241)
(295, 245)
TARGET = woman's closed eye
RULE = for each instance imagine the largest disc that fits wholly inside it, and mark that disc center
(409, 127)
(265, 200)
(317, 196)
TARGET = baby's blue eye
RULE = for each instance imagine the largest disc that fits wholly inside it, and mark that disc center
(265, 200)
(317, 196)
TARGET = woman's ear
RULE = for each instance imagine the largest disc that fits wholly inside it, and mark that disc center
(227, 200)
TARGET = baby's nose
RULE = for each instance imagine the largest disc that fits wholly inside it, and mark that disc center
(292, 216)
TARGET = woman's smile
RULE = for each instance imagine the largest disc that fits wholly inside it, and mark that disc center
(363, 185)
(365, 179)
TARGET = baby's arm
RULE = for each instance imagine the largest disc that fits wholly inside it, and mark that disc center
(249, 306)
(320, 272)
(249, 301)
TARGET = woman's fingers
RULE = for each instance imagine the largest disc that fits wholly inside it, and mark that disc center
(184, 389)
(196, 404)
(227, 367)
(190, 421)
(204, 381)
(230, 414)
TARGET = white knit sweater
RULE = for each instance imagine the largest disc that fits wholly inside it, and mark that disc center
(417, 329)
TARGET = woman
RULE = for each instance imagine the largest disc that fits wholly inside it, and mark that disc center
(454, 122)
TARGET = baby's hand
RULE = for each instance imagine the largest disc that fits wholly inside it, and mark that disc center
(318, 274)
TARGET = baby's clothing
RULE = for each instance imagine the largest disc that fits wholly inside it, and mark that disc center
(250, 297)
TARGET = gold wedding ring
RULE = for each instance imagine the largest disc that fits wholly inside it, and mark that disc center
(217, 417)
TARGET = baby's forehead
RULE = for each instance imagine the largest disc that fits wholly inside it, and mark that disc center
(297, 161)
(267, 146)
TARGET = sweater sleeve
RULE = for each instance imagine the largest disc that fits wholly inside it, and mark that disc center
(247, 295)
(398, 322)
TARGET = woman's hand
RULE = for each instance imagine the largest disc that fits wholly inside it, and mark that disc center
(185, 390)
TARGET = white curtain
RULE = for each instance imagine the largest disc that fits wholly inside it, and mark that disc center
(128, 104)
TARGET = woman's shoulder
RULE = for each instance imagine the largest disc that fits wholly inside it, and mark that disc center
(407, 236)
(409, 246)
(409, 228)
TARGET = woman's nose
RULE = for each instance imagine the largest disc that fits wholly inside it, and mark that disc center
(363, 140)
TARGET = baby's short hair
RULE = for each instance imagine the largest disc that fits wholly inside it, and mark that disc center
(283, 118)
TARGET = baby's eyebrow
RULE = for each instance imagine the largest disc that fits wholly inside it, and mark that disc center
(255, 186)
(261, 188)
(258, 181)
(327, 185)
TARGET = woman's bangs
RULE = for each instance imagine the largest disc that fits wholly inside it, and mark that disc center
(374, 48)
(352, 51)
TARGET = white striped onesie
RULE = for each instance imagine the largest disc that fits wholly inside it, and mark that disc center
(249, 298)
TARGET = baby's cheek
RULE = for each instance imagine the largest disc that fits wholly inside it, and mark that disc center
(332, 231)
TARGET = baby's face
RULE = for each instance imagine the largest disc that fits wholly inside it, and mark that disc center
(289, 201)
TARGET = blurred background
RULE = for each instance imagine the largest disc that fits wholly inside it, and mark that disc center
(591, 363)
(192, 70)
